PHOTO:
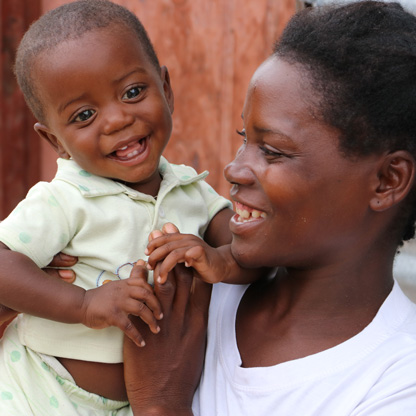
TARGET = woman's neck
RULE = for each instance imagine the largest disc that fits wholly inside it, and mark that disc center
(298, 313)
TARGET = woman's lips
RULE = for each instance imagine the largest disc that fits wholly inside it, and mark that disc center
(247, 214)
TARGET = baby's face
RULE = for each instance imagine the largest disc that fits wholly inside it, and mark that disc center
(106, 106)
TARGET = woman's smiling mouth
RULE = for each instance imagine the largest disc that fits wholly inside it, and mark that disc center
(247, 214)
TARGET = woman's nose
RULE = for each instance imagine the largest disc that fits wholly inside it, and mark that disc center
(117, 118)
(239, 170)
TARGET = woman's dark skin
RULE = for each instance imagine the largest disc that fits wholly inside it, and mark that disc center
(180, 348)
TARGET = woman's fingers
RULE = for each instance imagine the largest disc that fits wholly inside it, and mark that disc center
(63, 260)
(66, 275)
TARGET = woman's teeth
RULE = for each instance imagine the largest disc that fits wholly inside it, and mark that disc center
(245, 215)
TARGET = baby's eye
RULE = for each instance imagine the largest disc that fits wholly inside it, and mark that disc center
(132, 93)
(84, 115)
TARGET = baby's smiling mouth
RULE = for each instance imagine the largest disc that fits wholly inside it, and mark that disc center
(246, 214)
(130, 150)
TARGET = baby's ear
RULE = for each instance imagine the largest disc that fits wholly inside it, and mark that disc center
(396, 178)
(167, 88)
(46, 134)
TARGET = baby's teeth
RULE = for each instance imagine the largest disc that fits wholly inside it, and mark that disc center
(123, 148)
(134, 153)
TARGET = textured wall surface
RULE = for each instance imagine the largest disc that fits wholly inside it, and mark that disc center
(19, 146)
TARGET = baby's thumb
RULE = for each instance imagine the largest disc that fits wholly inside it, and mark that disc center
(170, 228)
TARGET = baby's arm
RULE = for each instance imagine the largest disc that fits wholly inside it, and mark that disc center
(26, 288)
(211, 259)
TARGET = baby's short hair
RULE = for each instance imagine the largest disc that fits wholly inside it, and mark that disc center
(71, 21)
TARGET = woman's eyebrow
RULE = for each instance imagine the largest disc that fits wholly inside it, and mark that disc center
(273, 131)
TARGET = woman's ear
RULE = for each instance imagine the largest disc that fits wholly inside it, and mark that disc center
(395, 179)
(46, 134)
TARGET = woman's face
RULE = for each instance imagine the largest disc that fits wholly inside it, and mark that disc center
(299, 202)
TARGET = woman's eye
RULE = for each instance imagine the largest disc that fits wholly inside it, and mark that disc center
(132, 93)
(84, 115)
(242, 133)
(270, 152)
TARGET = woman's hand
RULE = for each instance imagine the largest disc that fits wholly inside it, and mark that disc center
(162, 377)
(62, 260)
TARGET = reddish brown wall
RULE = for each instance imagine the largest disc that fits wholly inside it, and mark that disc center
(211, 48)
(19, 146)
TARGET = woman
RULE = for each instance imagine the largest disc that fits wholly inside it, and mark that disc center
(328, 156)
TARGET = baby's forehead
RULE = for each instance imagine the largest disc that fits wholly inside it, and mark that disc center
(75, 45)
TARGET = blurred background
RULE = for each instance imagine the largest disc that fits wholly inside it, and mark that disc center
(211, 48)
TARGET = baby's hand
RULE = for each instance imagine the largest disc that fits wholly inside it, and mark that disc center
(112, 303)
(168, 247)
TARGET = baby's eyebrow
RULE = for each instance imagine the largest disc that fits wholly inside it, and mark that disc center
(62, 107)
(138, 69)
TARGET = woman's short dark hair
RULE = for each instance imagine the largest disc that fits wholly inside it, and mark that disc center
(360, 59)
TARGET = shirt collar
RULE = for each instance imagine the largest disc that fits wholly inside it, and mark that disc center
(91, 185)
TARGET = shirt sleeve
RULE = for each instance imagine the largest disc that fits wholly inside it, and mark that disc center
(214, 202)
(38, 226)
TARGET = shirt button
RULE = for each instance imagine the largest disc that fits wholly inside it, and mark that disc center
(161, 212)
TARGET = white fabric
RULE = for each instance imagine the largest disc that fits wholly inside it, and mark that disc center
(106, 225)
(37, 385)
(373, 373)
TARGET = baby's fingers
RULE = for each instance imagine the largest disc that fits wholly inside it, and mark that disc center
(144, 300)
(167, 228)
(132, 332)
(167, 265)
(142, 310)
(170, 228)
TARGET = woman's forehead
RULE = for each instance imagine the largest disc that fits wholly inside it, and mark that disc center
(278, 89)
